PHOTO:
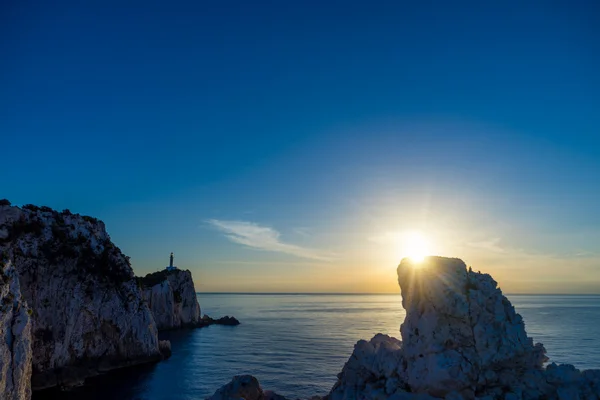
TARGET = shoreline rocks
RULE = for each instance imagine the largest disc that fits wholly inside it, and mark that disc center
(226, 320)
(172, 299)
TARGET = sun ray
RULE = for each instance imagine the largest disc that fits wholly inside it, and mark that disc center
(415, 246)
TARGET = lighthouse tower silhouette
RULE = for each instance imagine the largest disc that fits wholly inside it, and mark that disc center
(171, 267)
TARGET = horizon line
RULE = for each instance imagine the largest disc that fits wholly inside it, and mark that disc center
(389, 293)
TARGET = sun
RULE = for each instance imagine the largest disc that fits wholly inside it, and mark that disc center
(415, 246)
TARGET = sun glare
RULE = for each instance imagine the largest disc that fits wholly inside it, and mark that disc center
(415, 246)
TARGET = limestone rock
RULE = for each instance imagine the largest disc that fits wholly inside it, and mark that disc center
(88, 311)
(375, 370)
(460, 332)
(15, 342)
(172, 298)
(461, 340)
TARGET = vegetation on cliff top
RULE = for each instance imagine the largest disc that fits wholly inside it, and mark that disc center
(63, 245)
(154, 278)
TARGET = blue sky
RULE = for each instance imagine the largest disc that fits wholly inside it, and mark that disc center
(281, 146)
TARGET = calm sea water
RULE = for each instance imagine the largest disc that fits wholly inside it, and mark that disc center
(296, 344)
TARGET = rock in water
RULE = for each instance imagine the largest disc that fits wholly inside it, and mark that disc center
(244, 387)
(226, 320)
(172, 298)
(241, 387)
(15, 342)
(88, 311)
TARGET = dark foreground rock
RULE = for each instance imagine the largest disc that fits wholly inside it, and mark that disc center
(244, 387)
(165, 348)
(461, 339)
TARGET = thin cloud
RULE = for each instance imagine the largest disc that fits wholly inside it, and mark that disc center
(304, 232)
(492, 245)
(261, 237)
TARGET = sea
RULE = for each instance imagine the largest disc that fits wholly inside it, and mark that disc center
(296, 344)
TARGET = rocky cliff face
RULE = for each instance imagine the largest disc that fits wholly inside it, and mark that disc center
(15, 340)
(172, 298)
(88, 311)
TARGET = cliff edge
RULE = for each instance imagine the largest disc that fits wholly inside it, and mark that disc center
(89, 315)
(171, 297)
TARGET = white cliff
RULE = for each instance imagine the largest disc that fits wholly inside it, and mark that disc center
(15, 342)
(89, 315)
(172, 298)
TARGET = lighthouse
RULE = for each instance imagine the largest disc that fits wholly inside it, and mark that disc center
(171, 267)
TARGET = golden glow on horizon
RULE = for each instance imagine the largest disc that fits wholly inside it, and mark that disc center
(415, 246)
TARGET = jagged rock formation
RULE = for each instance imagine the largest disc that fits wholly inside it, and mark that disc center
(172, 298)
(89, 315)
(461, 339)
(15, 337)
(375, 366)
(460, 332)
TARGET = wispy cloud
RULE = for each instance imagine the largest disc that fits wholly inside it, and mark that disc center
(304, 232)
(264, 238)
(492, 245)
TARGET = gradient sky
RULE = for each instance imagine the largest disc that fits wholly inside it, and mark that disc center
(288, 146)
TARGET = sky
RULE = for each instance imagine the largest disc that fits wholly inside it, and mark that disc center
(293, 146)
